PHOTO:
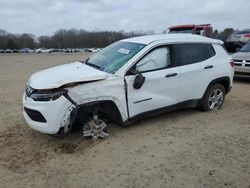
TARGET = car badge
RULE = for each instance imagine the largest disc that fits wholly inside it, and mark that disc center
(243, 62)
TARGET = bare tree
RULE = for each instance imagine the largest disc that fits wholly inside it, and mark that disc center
(3, 38)
(72, 38)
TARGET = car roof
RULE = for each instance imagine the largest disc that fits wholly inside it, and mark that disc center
(172, 38)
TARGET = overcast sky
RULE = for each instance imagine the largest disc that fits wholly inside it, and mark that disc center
(44, 17)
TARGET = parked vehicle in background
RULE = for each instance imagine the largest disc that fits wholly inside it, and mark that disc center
(55, 50)
(203, 29)
(68, 50)
(81, 49)
(15, 51)
(93, 50)
(88, 50)
(75, 50)
(42, 50)
(8, 51)
(240, 36)
(237, 40)
(129, 80)
(242, 62)
(26, 50)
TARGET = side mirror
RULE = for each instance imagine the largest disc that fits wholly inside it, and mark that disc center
(139, 78)
(237, 49)
(132, 71)
(139, 81)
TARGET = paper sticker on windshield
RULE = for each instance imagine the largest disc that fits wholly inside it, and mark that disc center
(124, 51)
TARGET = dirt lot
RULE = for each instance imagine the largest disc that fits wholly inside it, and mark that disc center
(187, 148)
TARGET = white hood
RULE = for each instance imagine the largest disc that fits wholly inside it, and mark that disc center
(64, 74)
(241, 55)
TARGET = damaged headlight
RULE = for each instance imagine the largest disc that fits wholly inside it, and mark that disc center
(44, 95)
(47, 96)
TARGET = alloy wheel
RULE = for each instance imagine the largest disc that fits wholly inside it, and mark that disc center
(215, 99)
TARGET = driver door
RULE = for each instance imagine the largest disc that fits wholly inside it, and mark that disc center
(160, 88)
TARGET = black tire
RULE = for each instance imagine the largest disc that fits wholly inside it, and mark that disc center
(212, 102)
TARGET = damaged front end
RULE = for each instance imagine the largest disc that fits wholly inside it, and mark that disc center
(47, 110)
(53, 111)
(44, 95)
(72, 98)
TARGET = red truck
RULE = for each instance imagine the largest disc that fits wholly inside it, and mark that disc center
(203, 29)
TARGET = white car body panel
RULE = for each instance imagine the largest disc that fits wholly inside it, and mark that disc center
(112, 88)
(219, 60)
(157, 91)
(55, 112)
(64, 74)
(187, 82)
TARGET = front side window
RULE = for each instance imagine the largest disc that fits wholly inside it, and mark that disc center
(158, 58)
(113, 57)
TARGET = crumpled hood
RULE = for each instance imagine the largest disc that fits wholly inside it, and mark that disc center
(241, 56)
(64, 74)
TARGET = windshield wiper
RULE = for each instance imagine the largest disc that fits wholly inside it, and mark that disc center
(92, 65)
(85, 61)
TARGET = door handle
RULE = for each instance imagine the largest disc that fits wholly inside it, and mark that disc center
(209, 67)
(171, 75)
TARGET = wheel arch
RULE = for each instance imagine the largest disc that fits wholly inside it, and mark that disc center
(107, 107)
(225, 81)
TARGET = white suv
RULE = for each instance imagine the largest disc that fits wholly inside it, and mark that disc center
(129, 80)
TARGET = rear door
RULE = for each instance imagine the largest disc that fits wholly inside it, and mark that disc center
(161, 82)
(191, 57)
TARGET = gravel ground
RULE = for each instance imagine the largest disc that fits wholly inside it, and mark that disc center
(187, 148)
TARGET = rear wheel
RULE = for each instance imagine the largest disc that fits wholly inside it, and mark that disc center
(213, 98)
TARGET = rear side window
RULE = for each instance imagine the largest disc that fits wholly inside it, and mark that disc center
(190, 53)
(209, 51)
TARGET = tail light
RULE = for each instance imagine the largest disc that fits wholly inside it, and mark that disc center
(247, 35)
(232, 63)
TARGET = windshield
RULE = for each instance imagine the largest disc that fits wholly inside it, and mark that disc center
(114, 56)
(181, 30)
(245, 48)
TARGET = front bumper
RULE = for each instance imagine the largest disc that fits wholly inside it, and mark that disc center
(56, 114)
(242, 71)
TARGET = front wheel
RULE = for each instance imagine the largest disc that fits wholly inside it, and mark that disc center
(213, 98)
(95, 128)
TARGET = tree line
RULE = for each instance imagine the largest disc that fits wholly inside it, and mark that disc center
(78, 38)
(72, 38)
